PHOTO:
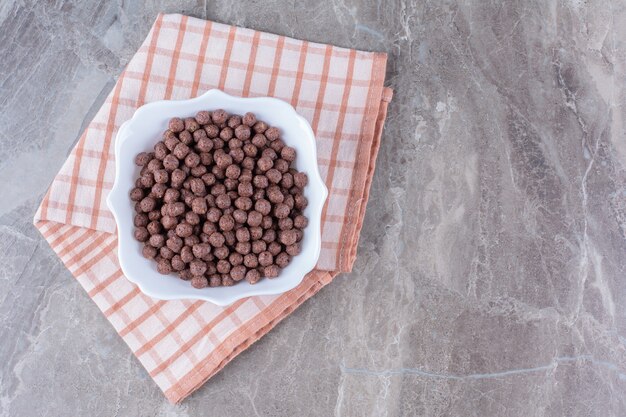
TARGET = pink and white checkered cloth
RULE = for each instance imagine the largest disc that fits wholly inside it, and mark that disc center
(340, 92)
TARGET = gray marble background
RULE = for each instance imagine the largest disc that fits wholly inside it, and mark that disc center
(491, 277)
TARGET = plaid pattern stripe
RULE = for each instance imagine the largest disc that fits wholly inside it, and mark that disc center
(183, 343)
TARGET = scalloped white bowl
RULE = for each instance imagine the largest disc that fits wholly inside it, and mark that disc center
(144, 129)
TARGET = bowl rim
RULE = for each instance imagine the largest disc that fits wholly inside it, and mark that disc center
(117, 197)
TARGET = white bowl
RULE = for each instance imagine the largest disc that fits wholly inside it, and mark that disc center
(144, 129)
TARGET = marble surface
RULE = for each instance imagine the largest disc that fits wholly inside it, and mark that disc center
(491, 277)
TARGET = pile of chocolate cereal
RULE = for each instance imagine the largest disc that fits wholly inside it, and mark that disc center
(218, 200)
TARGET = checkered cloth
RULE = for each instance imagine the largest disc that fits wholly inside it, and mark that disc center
(339, 91)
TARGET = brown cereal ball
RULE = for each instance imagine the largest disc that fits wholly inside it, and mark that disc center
(243, 132)
(238, 272)
(209, 179)
(249, 149)
(217, 240)
(288, 153)
(293, 250)
(227, 134)
(248, 119)
(198, 187)
(171, 195)
(174, 243)
(281, 165)
(271, 271)
(235, 258)
(245, 189)
(168, 222)
(154, 165)
(136, 194)
(277, 145)
(149, 252)
(218, 172)
(161, 176)
(274, 175)
(197, 267)
(164, 266)
(215, 281)
(210, 266)
(233, 121)
(256, 233)
(260, 181)
(258, 246)
(201, 250)
(222, 201)
(253, 276)
(287, 180)
(192, 240)
(274, 195)
(166, 253)
(263, 206)
(141, 234)
(281, 211)
(171, 141)
(289, 201)
(259, 140)
(250, 260)
(171, 162)
(199, 135)
(242, 234)
(269, 235)
(254, 218)
(185, 137)
(227, 223)
(142, 159)
(287, 237)
(185, 275)
(157, 241)
(147, 180)
(214, 214)
(177, 263)
(237, 154)
(141, 220)
(177, 178)
(204, 144)
(229, 236)
(154, 215)
(243, 247)
(184, 230)
(203, 117)
(160, 151)
(240, 216)
(158, 190)
(233, 171)
(186, 254)
(300, 201)
(212, 131)
(206, 159)
(265, 163)
(176, 124)
(227, 281)
(248, 163)
(199, 282)
(269, 153)
(147, 204)
(272, 133)
(218, 143)
(221, 253)
(285, 224)
(300, 222)
(223, 266)
(192, 159)
(243, 203)
(260, 127)
(170, 234)
(282, 259)
(192, 217)
(235, 143)
(191, 124)
(176, 209)
(300, 179)
(222, 159)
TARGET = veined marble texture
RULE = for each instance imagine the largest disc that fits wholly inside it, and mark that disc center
(491, 277)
